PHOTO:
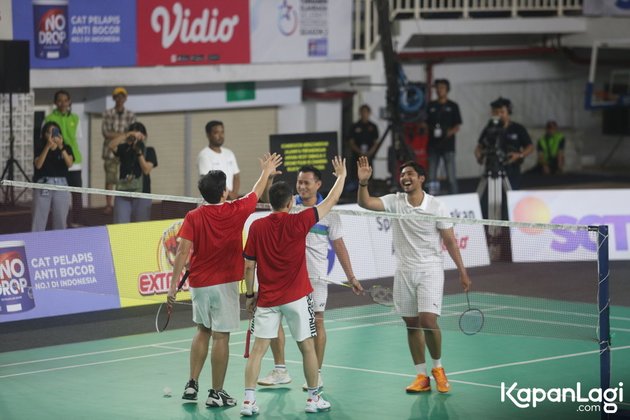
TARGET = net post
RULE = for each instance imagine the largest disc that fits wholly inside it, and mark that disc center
(603, 297)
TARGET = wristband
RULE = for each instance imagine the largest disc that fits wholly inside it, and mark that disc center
(363, 185)
(248, 296)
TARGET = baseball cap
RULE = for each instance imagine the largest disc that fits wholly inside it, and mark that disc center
(119, 91)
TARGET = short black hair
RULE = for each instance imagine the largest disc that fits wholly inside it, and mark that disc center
(279, 195)
(365, 106)
(138, 126)
(416, 167)
(443, 82)
(212, 124)
(501, 102)
(212, 186)
(314, 170)
(61, 92)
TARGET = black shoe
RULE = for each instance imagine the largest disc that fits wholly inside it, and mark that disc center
(190, 391)
(219, 399)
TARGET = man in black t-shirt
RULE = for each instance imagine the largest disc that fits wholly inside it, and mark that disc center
(364, 136)
(444, 120)
(504, 144)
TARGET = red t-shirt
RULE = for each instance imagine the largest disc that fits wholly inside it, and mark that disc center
(216, 231)
(278, 245)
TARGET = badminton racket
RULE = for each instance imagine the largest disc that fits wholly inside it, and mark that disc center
(163, 316)
(379, 294)
(248, 337)
(471, 320)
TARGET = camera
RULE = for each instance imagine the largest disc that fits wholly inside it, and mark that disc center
(495, 155)
(55, 132)
(131, 139)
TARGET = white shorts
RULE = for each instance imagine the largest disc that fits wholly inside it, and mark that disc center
(299, 315)
(216, 307)
(320, 294)
(418, 291)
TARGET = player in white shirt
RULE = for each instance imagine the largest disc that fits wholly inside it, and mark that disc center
(419, 276)
(327, 230)
(217, 157)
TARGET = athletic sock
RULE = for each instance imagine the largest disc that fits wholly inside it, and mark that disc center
(312, 393)
(437, 363)
(282, 367)
(250, 395)
(421, 368)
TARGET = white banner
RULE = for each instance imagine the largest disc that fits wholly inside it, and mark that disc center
(584, 207)
(300, 30)
(606, 7)
(369, 240)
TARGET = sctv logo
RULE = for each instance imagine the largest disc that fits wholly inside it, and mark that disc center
(534, 209)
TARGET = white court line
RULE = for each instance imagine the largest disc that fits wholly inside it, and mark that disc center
(543, 359)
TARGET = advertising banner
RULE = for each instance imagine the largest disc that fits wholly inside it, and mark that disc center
(582, 207)
(606, 7)
(300, 30)
(6, 20)
(192, 32)
(53, 273)
(143, 255)
(76, 33)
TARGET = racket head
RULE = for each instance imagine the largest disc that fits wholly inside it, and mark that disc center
(382, 295)
(471, 321)
(162, 317)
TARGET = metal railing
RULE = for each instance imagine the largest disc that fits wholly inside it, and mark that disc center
(366, 36)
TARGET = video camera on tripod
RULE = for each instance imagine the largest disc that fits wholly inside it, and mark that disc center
(494, 155)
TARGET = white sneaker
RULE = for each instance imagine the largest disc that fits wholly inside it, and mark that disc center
(250, 408)
(320, 383)
(276, 377)
(315, 405)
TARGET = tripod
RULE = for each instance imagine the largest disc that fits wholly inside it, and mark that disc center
(496, 182)
(8, 172)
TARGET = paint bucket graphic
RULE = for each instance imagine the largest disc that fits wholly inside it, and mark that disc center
(16, 294)
(50, 21)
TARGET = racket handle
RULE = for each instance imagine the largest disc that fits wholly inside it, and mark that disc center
(183, 280)
(247, 340)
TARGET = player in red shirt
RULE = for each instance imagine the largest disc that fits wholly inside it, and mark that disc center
(276, 250)
(214, 231)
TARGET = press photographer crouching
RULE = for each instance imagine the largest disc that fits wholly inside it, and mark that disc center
(136, 162)
(503, 144)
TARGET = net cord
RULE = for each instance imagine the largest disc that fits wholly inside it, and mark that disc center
(265, 206)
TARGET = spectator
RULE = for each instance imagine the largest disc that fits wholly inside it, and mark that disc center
(444, 121)
(364, 135)
(52, 160)
(217, 157)
(503, 143)
(115, 122)
(69, 126)
(136, 163)
(550, 151)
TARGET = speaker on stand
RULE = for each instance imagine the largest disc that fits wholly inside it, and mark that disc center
(14, 78)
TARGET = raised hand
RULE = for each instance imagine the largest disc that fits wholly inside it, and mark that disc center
(269, 163)
(339, 166)
(364, 170)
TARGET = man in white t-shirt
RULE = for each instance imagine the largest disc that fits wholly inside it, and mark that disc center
(327, 231)
(419, 276)
(217, 157)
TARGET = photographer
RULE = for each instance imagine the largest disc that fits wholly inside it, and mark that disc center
(52, 159)
(503, 144)
(136, 163)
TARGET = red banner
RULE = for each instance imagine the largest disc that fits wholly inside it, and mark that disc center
(192, 32)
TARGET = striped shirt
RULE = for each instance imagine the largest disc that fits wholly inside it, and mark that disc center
(114, 122)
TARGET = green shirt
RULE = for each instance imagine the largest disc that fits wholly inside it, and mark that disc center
(69, 124)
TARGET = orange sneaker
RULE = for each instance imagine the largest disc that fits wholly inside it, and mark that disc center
(422, 383)
(440, 379)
